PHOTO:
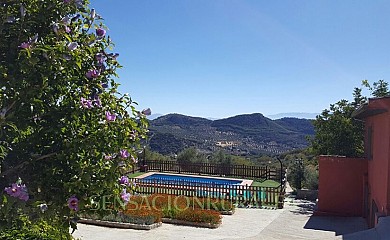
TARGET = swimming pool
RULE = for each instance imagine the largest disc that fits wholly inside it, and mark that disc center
(192, 180)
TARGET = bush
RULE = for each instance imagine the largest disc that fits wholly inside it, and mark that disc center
(200, 216)
(40, 230)
(203, 210)
(311, 177)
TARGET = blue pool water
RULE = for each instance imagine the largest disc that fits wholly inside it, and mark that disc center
(164, 178)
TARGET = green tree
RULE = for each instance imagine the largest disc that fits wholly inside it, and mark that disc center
(336, 131)
(220, 157)
(296, 174)
(65, 130)
(378, 89)
(190, 155)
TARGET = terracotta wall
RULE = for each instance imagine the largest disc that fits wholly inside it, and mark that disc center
(378, 166)
(341, 182)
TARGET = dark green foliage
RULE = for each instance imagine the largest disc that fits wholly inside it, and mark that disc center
(167, 143)
(311, 177)
(190, 155)
(337, 132)
(296, 175)
(40, 230)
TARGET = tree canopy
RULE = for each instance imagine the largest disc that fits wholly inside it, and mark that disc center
(66, 133)
(337, 132)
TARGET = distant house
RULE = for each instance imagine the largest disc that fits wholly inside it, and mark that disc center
(360, 187)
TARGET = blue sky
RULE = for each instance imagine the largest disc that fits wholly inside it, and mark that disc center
(219, 58)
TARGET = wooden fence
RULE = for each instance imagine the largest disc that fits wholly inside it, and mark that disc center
(253, 172)
(243, 195)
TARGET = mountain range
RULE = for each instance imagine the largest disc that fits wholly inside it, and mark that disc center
(248, 134)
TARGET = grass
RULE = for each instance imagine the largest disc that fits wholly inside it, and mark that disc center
(133, 175)
(266, 183)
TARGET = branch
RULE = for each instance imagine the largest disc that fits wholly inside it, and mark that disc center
(21, 165)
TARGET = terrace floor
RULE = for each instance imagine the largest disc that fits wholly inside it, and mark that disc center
(294, 222)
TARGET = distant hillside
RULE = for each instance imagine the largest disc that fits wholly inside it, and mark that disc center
(242, 135)
(180, 120)
(293, 115)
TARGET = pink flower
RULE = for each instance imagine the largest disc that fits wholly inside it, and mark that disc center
(92, 74)
(110, 117)
(25, 45)
(124, 153)
(86, 103)
(125, 196)
(18, 191)
(124, 180)
(108, 157)
(73, 203)
(100, 32)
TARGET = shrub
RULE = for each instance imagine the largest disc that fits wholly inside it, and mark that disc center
(142, 215)
(170, 212)
(311, 177)
(205, 210)
(39, 230)
(200, 216)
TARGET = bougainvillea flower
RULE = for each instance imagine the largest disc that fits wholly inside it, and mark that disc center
(125, 196)
(73, 203)
(124, 180)
(67, 29)
(25, 45)
(108, 157)
(124, 153)
(67, 1)
(72, 46)
(100, 32)
(92, 74)
(147, 112)
(110, 117)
